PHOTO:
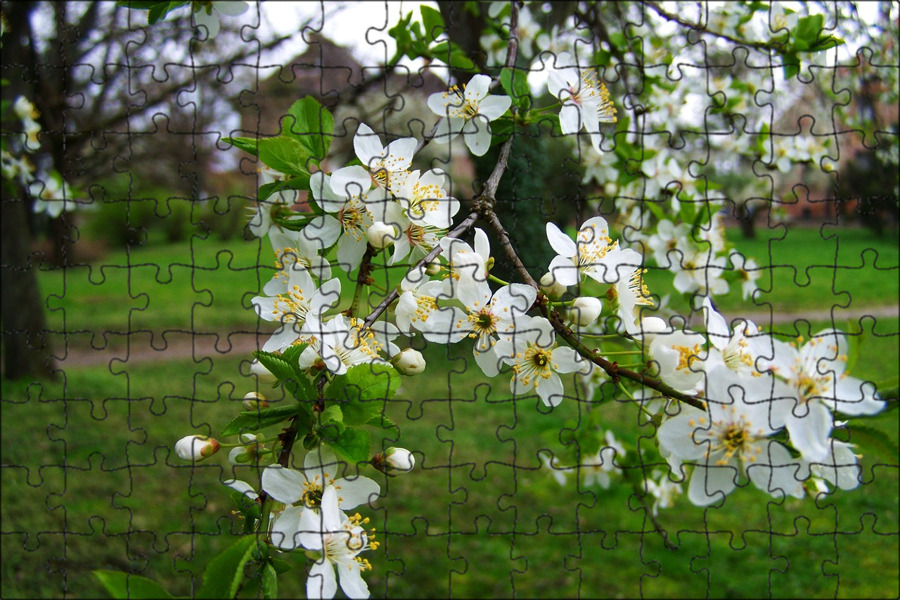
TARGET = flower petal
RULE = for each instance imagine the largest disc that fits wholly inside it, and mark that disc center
(283, 485)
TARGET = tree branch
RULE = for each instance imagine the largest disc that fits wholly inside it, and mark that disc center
(774, 46)
(456, 232)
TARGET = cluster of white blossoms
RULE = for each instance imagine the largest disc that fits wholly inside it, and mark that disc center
(731, 403)
(754, 388)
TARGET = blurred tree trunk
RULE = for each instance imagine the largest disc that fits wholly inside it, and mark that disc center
(26, 349)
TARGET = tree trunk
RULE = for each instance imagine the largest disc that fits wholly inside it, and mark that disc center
(26, 347)
(746, 216)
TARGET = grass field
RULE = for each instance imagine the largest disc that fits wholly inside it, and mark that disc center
(89, 480)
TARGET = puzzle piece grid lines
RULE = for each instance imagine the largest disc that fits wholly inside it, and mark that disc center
(487, 511)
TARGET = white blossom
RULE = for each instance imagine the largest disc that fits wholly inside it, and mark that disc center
(469, 113)
(585, 99)
(537, 360)
(593, 253)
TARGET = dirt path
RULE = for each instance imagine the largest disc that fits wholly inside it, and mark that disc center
(180, 345)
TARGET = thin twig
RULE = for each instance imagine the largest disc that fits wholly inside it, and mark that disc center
(382, 306)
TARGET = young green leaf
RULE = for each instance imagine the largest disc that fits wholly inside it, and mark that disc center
(515, 84)
(243, 143)
(310, 124)
(352, 444)
(125, 585)
(298, 182)
(433, 21)
(276, 364)
(225, 572)
(362, 391)
(269, 582)
(285, 155)
(250, 421)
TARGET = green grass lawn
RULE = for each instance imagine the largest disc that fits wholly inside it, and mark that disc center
(90, 481)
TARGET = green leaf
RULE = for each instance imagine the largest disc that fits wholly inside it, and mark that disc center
(309, 123)
(269, 582)
(285, 155)
(352, 444)
(298, 182)
(433, 21)
(292, 353)
(225, 572)
(515, 83)
(126, 585)
(280, 566)
(362, 391)
(441, 50)
(276, 364)
(872, 440)
(806, 33)
(460, 60)
(791, 65)
(243, 143)
(250, 421)
(385, 423)
(332, 414)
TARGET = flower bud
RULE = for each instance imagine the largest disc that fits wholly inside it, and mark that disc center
(585, 310)
(394, 461)
(433, 268)
(552, 287)
(399, 459)
(264, 375)
(381, 235)
(244, 454)
(196, 447)
(254, 401)
(409, 362)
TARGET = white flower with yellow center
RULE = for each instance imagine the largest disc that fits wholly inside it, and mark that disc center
(347, 197)
(738, 348)
(748, 272)
(468, 112)
(342, 343)
(812, 383)
(592, 253)
(730, 440)
(387, 165)
(292, 247)
(425, 201)
(340, 540)
(415, 240)
(484, 318)
(466, 262)
(585, 99)
(536, 360)
(302, 493)
(417, 307)
(681, 357)
(291, 300)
